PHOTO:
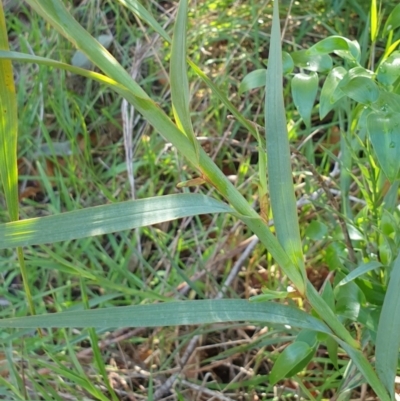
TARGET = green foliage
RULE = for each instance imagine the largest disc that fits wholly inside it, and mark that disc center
(352, 311)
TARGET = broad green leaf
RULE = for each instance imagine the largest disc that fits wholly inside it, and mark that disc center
(366, 369)
(254, 79)
(384, 133)
(361, 89)
(349, 301)
(283, 201)
(180, 95)
(312, 62)
(359, 271)
(332, 347)
(388, 336)
(106, 219)
(338, 44)
(389, 70)
(327, 102)
(393, 20)
(304, 92)
(292, 360)
(174, 313)
(316, 230)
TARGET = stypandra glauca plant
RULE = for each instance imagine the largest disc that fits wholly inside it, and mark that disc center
(365, 98)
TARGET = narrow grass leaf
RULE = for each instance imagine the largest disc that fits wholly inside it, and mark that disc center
(374, 20)
(304, 92)
(8, 128)
(283, 201)
(137, 8)
(8, 146)
(180, 95)
(366, 370)
(174, 313)
(359, 271)
(106, 219)
(388, 335)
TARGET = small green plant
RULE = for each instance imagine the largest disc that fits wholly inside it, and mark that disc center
(364, 293)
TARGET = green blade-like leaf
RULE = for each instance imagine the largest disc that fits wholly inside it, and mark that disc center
(374, 20)
(388, 335)
(106, 219)
(8, 128)
(359, 271)
(137, 8)
(174, 313)
(366, 369)
(8, 146)
(384, 133)
(304, 92)
(283, 201)
(179, 79)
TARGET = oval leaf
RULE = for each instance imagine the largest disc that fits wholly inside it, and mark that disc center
(384, 133)
(312, 62)
(291, 361)
(389, 70)
(361, 89)
(338, 44)
(393, 20)
(254, 79)
(304, 92)
(327, 103)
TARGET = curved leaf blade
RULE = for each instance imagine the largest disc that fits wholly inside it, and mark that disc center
(174, 313)
(180, 95)
(106, 219)
(388, 335)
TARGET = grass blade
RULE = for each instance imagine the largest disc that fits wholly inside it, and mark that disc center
(8, 145)
(174, 313)
(179, 78)
(283, 201)
(388, 336)
(106, 219)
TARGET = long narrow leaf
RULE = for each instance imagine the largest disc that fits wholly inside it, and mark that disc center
(179, 78)
(388, 335)
(366, 369)
(174, 313)
(283, 201)
(106, 219)
(8, 146)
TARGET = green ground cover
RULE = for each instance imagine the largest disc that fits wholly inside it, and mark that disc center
(79, 146)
